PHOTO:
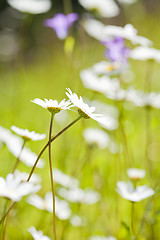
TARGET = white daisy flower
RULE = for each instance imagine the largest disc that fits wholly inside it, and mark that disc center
(106, 32)
(27, 156)
(37, 235)
(14, 189)
(35, 179)
(77, 195)
(96, 137)
(14, 145)
(109, 68)
(105, 8)
(127, 191)
(127, 1)
(136, 174)
(31, 6)
(64, 179)
(24, 133)
(145, 53)
(101, 238)
(53, 105)
(84, 110)
(62, 208)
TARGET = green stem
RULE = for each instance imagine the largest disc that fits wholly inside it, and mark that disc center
(18, 158)
(51, 175)
(42, 151)
(133, 236)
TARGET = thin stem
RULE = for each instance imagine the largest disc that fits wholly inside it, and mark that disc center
(133, 236)
(67, 4)
(51, 175)
(42, 151)
(18, 158)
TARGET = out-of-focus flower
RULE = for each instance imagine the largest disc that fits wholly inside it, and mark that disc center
(101, 238)
(60, 23)
(105, 8)
(64, 179)
(31, 6)
(35, 179)
(84, 110)
(127, 191)
(62, 208)
(52, 105)
(26, 135)
(102, 32)
(14, 189)
(116, 50)
(96, 137)
(135, 174)
(109, 68)
(127, 1)
(14, 145)
(37, 235)
(76, 195)
(77, 221)
(145, 53)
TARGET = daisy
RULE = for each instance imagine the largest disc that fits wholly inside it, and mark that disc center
(31, 6)
(127, 191)
(96, 137)
(109, 68)
(64, 179)
(78, 195)
(26, 135)
(145, 53)
(61, 23)
(62, 209)
(52, 105)
(37, 235)
(107, 32)
(135, 174)
(105, 8)
(35, 179)
(84, 110)
(14, 189)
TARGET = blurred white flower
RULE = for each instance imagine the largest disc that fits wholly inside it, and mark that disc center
(77, 221)
(14, 145)
(109, 68)
(14, 189)
(84, 110)
(64, 179)
(110, 87)
(31, 6)
(135, 173)
(101, 238)
(62, 208)
(24, 133)
(127, 191)
(35, 179)
(76, 195)
(127, 1)
(37, 235)
(145, 53)
(96, 137)
(105, 8)
(106, 32)
(53, 105)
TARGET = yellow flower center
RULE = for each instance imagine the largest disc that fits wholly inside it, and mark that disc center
(83, 114)
(54, 109)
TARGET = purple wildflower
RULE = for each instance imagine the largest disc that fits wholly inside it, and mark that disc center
(61, 23)
(116, 50)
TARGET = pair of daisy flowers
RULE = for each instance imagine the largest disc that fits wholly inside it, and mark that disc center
(84, 109)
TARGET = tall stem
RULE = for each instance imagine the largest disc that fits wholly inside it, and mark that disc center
(51, 175)
(18, 158)
(133, 235)
(42, 151)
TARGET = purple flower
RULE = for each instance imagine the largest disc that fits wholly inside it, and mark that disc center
(116, 50)
(61, 23)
